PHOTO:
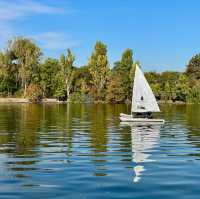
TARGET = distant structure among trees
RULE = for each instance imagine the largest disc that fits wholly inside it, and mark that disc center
(23, 73)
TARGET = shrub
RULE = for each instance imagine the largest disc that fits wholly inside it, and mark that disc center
(34, 93)
(19, 93)
(80, 97)
(60, 94)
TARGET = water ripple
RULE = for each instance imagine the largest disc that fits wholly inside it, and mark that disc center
(82, 151)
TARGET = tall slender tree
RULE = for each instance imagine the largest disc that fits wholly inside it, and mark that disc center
(98, 69)
(65, 76)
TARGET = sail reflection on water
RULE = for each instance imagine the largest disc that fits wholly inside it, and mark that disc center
(144, 139)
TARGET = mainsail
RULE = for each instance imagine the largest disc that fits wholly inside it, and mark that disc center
(143, 99)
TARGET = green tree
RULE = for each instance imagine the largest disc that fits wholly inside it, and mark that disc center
(167, 91)
(8, 75)
(21, 67)
(115, 92)
(27, 56)
(82, 80)
(81, 85)
(193, 67)
(98, 69)
(182, 88)
(65, 76)
(126, 67)
(168, 80)
(67, 69)
(153, 79)
(48, 72)
(194, 93)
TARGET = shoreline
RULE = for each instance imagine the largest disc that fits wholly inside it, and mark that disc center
(171, 102)
(25, 100)
(55, 101)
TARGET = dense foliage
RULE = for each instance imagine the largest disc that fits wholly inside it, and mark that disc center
(34, 93)
(23, 73)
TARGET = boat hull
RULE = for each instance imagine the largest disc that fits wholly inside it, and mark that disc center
(129, 118)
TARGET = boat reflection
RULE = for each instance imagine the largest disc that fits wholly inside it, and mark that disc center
(144, 138)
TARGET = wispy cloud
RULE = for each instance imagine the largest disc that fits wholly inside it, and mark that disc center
(54, 40)
(10, 10)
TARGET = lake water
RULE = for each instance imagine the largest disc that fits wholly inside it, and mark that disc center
(82, 151)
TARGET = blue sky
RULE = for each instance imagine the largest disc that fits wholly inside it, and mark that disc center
(163, 34)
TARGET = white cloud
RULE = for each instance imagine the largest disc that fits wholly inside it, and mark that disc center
(10, 10)
(54, 40)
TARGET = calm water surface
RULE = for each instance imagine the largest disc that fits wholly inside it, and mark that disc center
(82, 151)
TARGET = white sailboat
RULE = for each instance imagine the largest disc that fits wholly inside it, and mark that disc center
(143, 101)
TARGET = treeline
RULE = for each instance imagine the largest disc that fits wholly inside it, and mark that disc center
(23, 73)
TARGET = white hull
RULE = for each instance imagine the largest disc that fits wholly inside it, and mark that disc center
(129, 118)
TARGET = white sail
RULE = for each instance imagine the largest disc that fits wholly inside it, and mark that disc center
(143, 99)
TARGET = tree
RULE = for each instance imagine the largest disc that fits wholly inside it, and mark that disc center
(168, 80)
(48, 71)
(193, 67)
(115, 92)
(26, 55)
(8, 74)
(81, 85)
(21, 68)
(167, 91)
(98, 69)
(126, 67)
(82, 80)
(65, 76)
(67, 70)
(194, 93)
(34, 93)
(153, 79)
(182, 88)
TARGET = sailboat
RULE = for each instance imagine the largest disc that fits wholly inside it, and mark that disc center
(143, 101)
